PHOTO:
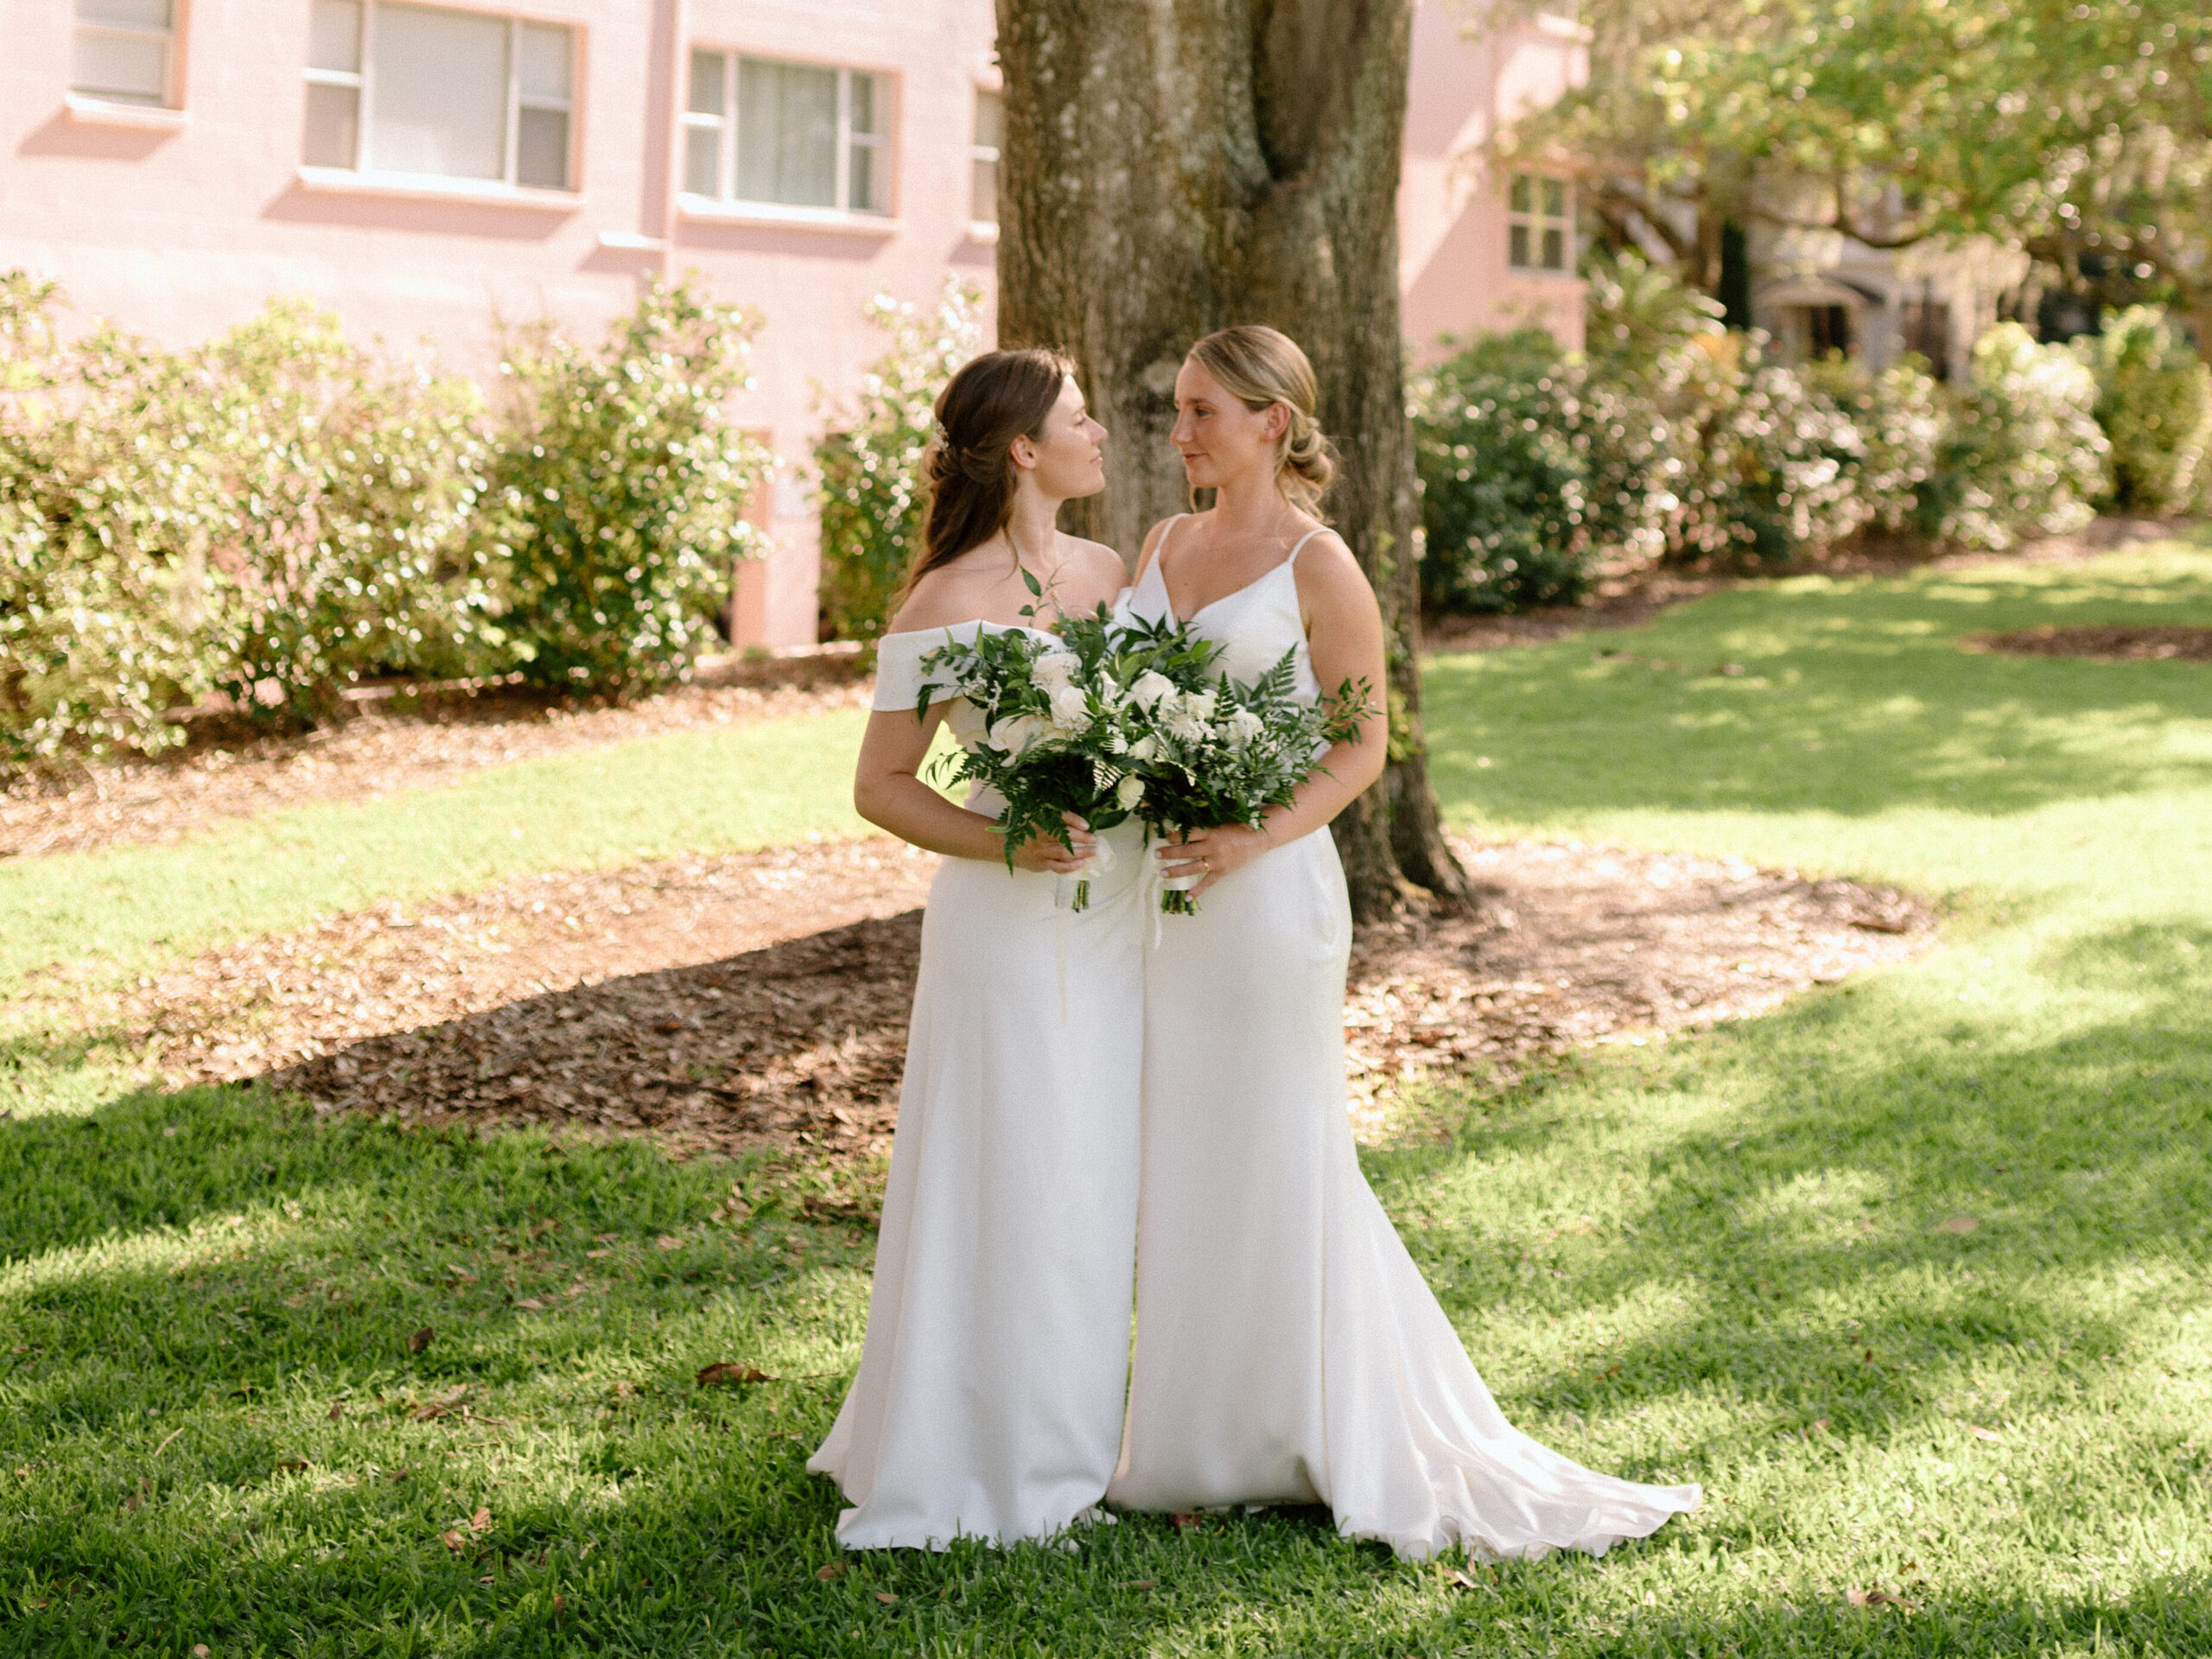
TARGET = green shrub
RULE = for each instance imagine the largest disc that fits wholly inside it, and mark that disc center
(266, 517)
(2022, 454)
(2154, 403)
(1532, 473)
(870, 459)
(1899, 416)
(620, 492)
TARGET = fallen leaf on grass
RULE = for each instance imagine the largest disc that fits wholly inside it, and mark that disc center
(668, 1241)
(480, 1521)
(532, 1303)
(830, 1570)
(598, 1253)
(439, 1406)
(1877, 1598)
(1957, 1225)
(1453, 1575)
(885, 1597)
(728, 1370)
(455, 1542)
(1982, 1433)
(296, 1464)
(200, 1651)
(1141, 1584)
(421, 1339)
(559, 1605)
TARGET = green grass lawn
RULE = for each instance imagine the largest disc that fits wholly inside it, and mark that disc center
(1741, 1258)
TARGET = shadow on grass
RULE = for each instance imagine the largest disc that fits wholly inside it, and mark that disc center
(1847, 697)
(1833, 1182)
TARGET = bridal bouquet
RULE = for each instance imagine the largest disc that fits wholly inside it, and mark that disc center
(1057, 716)
(1210, 750)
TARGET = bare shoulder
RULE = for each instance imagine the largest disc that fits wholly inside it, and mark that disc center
(1327, 571)
(1152, 538)
(942, 597)
(1100, 563)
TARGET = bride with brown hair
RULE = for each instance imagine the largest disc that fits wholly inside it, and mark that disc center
(989, 1400)
(1287, 1347)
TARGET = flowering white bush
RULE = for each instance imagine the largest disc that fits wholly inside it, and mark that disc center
(2024, 455)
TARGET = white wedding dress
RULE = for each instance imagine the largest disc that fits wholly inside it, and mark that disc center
(1288, 1349)
(990, 1396)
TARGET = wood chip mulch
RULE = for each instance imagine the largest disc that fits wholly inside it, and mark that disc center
(2111, 645)
(762, 999)
(391, 748)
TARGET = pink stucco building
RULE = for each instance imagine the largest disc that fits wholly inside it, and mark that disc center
(429, 169)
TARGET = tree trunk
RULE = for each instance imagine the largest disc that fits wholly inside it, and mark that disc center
(1173, 167)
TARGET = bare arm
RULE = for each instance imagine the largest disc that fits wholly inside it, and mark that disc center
(889, 791)
(1344, 633)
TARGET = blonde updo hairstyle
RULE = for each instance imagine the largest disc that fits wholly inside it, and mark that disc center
(1260, 367)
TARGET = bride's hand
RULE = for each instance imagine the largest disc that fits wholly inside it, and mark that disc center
(1058, 855)
(1212, 854)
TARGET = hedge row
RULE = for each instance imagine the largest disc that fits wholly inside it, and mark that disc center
(274, 515)
(1670, 438)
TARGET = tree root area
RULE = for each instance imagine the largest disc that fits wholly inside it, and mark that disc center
(761, 1001)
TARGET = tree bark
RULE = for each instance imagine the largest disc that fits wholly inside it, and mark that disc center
(1170, 167)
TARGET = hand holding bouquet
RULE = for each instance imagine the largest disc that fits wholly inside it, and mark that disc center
(1211, 751)
(1053, 709)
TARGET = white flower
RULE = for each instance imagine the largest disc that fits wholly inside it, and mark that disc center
(1150, 688)
(1243, 726)
(1055, 668)
(1185, 727)
(1016, 733)
(1144, 748)
(1201, 703)
(1071, 708)
(1129, 791)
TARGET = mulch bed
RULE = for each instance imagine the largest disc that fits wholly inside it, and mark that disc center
(762, 999)
(2110, 645)
(384, 748)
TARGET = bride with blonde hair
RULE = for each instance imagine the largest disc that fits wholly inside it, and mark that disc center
(1287, 1347)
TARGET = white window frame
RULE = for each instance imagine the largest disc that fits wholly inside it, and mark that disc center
(363, 81)
(724, 126)
(985, 229)
(88, 99)
(1536, 221)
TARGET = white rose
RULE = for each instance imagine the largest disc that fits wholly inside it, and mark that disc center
(1128, 793)
(1016, 733)
(1071, 708)
(1055, 668)
(1201, 703)
(1185, 727)
(1144, 748)
(1150, 688)
(1243, 726)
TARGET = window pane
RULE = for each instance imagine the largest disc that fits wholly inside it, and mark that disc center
(1555, 250)
(131, 14)
(119, 66)
(545, 58)
(990, 121)
(332, 113)
(984, 194)
(542, 149)
(1516, 246)
(1524, 194)
(703, 160)
(866, 104)
(865, 192)
(1555, 197)
(786, 134)
(440, 93)
(334, 36)
(706, 84)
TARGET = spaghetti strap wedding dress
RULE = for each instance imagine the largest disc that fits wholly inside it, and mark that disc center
(990, 1396)
(1288, 1349)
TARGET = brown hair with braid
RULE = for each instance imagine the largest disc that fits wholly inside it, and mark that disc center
(968, 473)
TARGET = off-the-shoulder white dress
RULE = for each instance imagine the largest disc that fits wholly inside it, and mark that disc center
(989, 1396)
(1286, 1346)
